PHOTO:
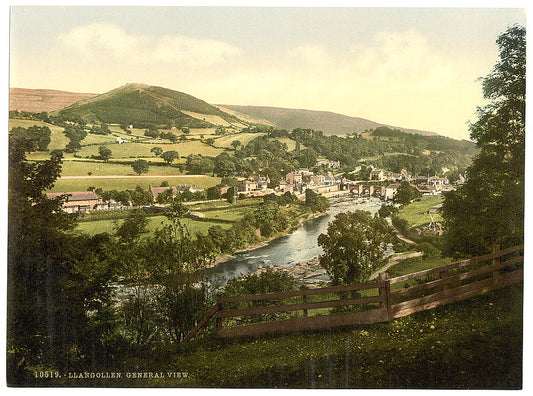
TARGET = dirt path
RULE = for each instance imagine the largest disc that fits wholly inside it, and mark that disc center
(393, 261)
(398, 234)
(129, 176)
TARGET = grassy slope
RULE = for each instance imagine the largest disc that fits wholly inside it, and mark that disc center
(416, 213)
(472, 344)
(64, 185)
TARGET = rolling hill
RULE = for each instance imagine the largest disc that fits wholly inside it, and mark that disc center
(144, 106)
(328, 122)
(39, 100)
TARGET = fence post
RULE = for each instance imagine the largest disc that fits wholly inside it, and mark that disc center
(384, 293)
(495, 249)
(442, 275)
(219, 319)
(305, 302)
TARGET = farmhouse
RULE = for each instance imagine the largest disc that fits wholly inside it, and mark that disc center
(79, 201)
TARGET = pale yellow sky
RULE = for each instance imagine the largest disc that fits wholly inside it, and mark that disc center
(414, 68)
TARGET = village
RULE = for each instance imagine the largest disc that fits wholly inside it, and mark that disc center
(295, 182)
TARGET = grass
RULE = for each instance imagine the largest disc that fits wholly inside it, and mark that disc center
(416, 213)
(131, 149)
(155, 222)
(473, 344)
(244, 138)
(66, 185)
(79, 168)
(58, 140)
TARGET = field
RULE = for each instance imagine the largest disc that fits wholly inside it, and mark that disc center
(416, 213)
(79, 168)
(244, 138)
(58, 140)
(194, 226)
(65, 185)
(143, 149)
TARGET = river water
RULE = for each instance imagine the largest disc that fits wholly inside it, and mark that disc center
(298, 246)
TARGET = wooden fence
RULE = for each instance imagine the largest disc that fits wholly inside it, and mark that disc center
(370, 302)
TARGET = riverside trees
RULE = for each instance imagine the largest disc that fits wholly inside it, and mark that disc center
(489, 207)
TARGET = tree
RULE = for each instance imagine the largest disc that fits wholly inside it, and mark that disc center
(235, 144)
(140, 166)
(353, 246)
(133, 226)
(104, 153)
(316, 202)
(489, 207)
(170, 156)
(57, 282)
(157, 151)
(405, 194)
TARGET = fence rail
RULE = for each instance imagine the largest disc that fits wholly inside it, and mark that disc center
(455, 282)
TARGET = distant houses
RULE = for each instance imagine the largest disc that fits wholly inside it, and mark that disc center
(80, 201)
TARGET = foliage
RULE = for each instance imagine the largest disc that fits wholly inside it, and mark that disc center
(140, 166)
(353, 246)
(387, 210)
(269, 280)
(489, 207)
(37, 137)
(170, 156)
(105, 153)
(58, 283)
(405, 194)
(316, 202)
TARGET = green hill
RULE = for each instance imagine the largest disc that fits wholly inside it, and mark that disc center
(145, 106)
(326, 121)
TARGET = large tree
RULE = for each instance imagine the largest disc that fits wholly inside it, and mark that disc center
(353, 246)
(57, 281)
(489, 207)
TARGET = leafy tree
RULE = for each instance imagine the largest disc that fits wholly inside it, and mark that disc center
(224, 166)
(316, 202)
(489, 207)
(213, 192)
(405, 194)
(154, 133)
(268, 281)
(38, 138)
(179, 265)
(210, 141)
(170, 156)
(353, 246)
(57, 282)
(132, 227)
(235, 144)
(199, 165)
(140, 166)
(157, 151)
(105, 153)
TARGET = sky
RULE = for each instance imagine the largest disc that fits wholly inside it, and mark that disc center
(411, 67)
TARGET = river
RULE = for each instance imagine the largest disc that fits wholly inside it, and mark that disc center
(298, 246)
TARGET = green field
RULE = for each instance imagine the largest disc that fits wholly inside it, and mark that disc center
(416, 213)
(244, 138)
(58, 140)
(143, 149)
(65, 185)
(194, 226)
(79, 168)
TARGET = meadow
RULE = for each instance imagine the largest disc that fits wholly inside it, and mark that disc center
(65, 185)
(416, 213)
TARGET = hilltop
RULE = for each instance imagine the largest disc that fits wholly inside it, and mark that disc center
(146, 106)
(39, 100)
(326, 121)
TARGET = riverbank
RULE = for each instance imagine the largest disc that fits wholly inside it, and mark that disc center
(222, 258)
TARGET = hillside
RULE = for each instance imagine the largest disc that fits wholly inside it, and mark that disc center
(328, 122)
(39, 100)
(145, 106)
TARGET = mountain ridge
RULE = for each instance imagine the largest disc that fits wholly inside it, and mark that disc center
(329, 122)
